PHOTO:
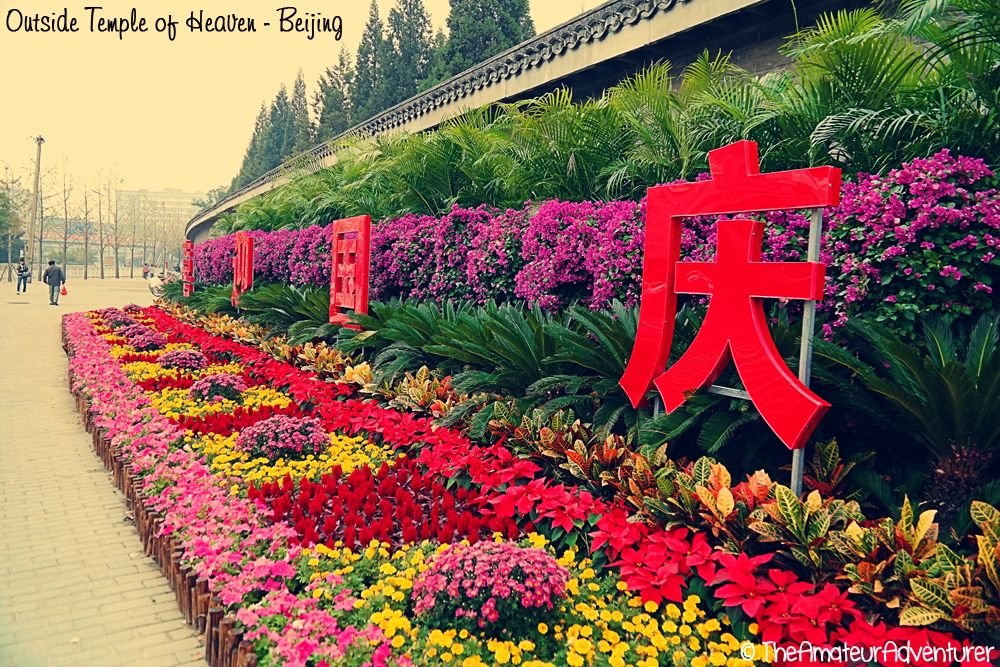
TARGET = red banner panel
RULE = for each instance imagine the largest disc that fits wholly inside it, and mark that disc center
(350, 247)
(735, 326)
(242, 267)
(187, 268)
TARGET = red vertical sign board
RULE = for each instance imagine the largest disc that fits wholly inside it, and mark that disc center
(242, 266)
(187, 268)
(350, 245)
(735, 327)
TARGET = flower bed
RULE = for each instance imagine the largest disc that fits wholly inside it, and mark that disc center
(347, 560)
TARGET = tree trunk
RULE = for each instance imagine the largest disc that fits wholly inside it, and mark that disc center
(100, 231)
(131, 261)
(116, 229)
(86, 234)
(66, 192)
(41, 232)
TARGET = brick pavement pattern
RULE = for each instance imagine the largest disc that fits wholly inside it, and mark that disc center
(75, 586)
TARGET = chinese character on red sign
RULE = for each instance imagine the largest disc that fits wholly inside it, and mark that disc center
(242, 267)
(187, 268)
(350, 245)
(737, 282)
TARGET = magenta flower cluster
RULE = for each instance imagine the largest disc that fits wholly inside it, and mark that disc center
(582, 250)
(921, 239)
(309, 259)
(149, 341)
(282, 436)
(116, 319)
(492, 586)
(130, 330)
(469, 253)
(271, 253)
(217, 387)
(185, 360)
(213, 260)
(300, 256)
(139, 336)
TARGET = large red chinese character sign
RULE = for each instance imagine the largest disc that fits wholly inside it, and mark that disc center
(242, 267)
(734, 325)
(187, 268)
(350, 244)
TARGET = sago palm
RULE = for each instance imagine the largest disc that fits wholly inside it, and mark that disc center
(942, 394)
(591, 351)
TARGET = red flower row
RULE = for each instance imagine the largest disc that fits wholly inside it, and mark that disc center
(237, 420)
(397, 504)
(166, 382)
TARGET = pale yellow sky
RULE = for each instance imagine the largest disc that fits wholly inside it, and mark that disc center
(161, 113)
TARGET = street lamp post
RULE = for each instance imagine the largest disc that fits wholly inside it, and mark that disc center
(39, 140)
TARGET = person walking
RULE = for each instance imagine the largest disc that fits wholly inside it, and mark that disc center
(54, 278)
(145, 271)
(23, 276)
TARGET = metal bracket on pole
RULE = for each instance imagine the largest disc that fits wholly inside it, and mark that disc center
(731, 392)
(805, 345)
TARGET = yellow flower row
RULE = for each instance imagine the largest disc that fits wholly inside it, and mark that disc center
(137, 371)
(600, 623)
(230, 463)
(174, 402)
(119, 351)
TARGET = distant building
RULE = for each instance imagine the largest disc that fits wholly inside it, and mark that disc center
(159, 217)
(168, 205)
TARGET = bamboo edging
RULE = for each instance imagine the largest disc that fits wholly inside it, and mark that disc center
(224, 643)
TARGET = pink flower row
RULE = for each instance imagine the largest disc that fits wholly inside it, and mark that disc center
(225, 538)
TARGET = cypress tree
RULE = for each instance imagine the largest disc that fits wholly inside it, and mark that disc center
(302, 129)
(331, 101)
(437, 70)
(409, 43)
(479, 29)
(369, 68)
(252, 166)
(279, 140)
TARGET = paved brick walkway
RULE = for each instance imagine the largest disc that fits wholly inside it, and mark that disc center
(75, 586)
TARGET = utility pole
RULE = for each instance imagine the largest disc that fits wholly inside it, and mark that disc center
(41, 234)
(34, 202)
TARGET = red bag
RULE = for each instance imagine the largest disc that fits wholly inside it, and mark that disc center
(63, 292)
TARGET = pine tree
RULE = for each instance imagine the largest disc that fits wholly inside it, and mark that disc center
(437, 70)
(409, 43)
(252, 166)
(279, 140)
(331, 103)
(301, 124)
(370, 64)
(479, 29)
